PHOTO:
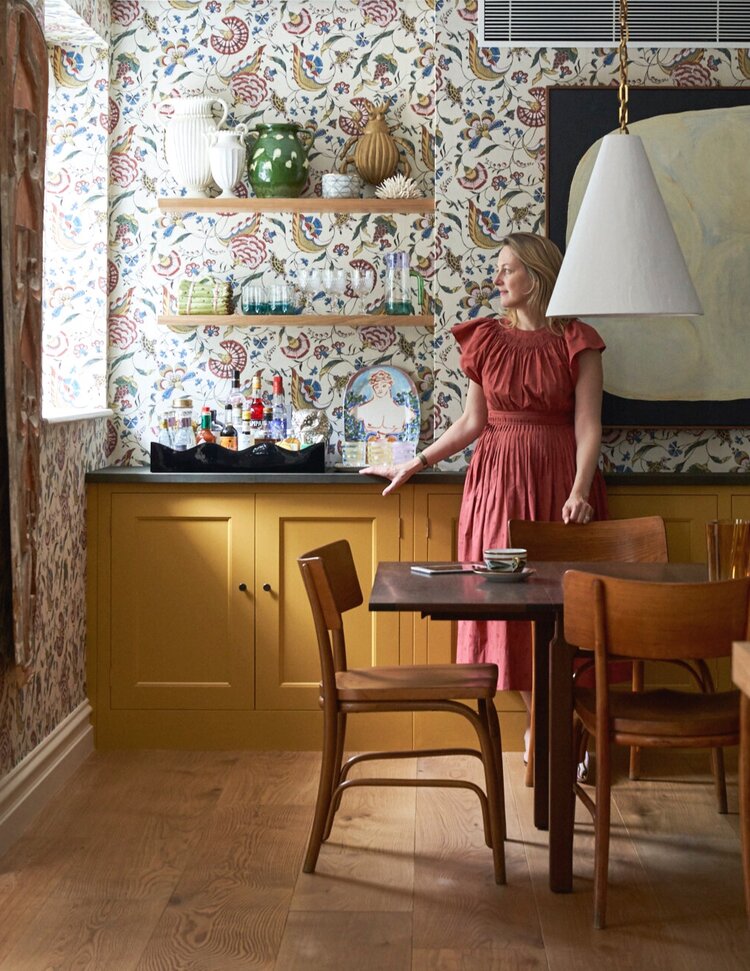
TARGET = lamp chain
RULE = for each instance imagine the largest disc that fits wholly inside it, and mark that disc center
(623, 51)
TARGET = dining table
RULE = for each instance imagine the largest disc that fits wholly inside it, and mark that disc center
(539, 600)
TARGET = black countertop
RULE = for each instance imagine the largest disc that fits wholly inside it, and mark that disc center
(143, 474)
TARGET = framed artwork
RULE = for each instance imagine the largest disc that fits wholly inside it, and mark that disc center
(695, 139)
(381, 403)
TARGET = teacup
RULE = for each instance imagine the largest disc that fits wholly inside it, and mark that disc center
(505, 560)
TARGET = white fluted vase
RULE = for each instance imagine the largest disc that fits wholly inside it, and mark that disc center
(227, 154)
(185, 142)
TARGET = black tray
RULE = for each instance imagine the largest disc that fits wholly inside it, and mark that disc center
(266, 457)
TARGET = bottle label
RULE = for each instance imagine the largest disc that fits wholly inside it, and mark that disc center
(228, 441)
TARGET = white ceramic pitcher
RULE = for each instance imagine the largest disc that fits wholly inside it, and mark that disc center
(185, 144)
(227, 154)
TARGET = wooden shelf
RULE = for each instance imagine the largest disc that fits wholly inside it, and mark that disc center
(296, 320)
(304, 204)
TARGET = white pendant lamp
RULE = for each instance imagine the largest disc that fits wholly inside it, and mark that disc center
(623, 258)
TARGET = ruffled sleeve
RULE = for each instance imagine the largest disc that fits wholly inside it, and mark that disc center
(581, 337)
(472, 337)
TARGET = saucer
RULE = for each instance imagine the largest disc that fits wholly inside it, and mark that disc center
(498, 577)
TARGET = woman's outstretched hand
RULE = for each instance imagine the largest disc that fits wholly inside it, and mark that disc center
(398, 474)
(577, 509)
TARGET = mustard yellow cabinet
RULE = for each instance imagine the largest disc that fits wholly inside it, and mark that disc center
(181, 618)
(287, 525)
(436, 538)
(685, 511)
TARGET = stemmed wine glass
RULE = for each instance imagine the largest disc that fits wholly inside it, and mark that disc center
(338, 286)
(309, 283)
(362, 283)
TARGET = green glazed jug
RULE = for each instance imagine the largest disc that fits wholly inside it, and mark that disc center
(277, 164)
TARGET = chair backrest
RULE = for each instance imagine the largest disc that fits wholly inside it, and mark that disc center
(655, 621)
(639, 540)
(332, 586)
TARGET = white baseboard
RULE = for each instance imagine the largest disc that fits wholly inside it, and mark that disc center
(31, 784)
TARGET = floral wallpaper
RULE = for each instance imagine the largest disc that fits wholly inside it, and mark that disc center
(471, 119)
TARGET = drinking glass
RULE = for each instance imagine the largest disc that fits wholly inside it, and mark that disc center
(728, 548)
(282, 299)
(310, 285)
(338, 286)
(253, 299)
(362, 283)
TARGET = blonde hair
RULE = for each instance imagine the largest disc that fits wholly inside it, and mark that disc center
(542, 260)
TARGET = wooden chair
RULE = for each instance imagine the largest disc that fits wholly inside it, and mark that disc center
(332, 586)
(650, 621)
(641, 540)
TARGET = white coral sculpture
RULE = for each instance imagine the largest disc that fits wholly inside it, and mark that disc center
(398, 187)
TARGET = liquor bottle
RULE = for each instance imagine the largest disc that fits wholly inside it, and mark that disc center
(228, 437)
(278, 417)
(264, 433)
(247, 435)
(185, 436)
(237, 399)
(256, 405)
(165, 436)
(205, 434)
(256, 399)
(172, 425)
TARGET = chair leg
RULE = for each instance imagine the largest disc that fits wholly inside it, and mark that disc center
(744, 788)
(635, 752)
(338, 759)
(326, 785)
(492, 783)
(720, 782)
(497, 748)
(602, 830)
(529, 779)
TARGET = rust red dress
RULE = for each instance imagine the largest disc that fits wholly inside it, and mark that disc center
(524, 462)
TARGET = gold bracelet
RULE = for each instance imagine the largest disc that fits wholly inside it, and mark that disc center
(423, 459)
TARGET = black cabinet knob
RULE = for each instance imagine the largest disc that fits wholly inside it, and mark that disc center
(243, 587)
(267, 587)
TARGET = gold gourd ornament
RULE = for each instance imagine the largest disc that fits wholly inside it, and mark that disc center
(376, 153)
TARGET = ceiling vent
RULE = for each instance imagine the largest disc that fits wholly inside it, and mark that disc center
(596, 23)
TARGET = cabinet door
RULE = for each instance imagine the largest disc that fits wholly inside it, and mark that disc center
(181, 629)
(442, 544)
(685, 518)
(740, 506)
(287, 661)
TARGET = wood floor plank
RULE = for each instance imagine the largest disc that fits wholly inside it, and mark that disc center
(272, 778)
(373, 941)
(71, 934)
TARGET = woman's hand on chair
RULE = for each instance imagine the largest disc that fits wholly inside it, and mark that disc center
(577, 509)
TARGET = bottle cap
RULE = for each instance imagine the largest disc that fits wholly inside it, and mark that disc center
(278, 384)
(205, 410)
(267, 412)
(183, 403)
(236, 379)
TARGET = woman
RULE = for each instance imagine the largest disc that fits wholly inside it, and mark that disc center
(534, 402)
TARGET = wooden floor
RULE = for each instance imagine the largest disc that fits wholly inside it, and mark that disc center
(192, 860)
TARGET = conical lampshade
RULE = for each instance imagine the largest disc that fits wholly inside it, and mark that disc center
(623, 258)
